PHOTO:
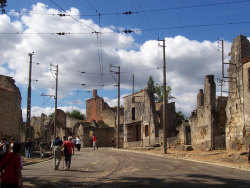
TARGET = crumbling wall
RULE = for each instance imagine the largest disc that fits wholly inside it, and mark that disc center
(104, 136)
(202, 119)
(238, 123)
(10, 108)
(139, 120)
(99, 111)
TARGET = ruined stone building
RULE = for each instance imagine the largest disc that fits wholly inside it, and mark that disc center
(99, 111)
(42, 128)
(143, 120)
(205, 129)
(10, 108)
(238, 106)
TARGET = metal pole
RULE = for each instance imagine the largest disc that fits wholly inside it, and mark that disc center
(27, 130)
(133, 78)
(55, 120)
(164, 100)
(118, 107)
(222, 58)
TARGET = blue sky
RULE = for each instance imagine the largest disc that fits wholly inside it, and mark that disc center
(191, 29)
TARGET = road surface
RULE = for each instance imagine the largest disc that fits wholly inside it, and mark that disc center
(111, 168)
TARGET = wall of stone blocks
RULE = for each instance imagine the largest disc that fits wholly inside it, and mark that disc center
(104, 136)
(237, 126)
(10, 108)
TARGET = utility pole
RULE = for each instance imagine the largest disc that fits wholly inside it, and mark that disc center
(55, 120)
(27, 130)
(118, 105)
(164, 99)
(133, 81)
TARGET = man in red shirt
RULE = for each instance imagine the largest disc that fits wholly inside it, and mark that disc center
(11, 165)
(94, 141)
(69, 151)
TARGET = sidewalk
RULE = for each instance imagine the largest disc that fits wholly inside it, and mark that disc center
(231, 159)
(35, 158)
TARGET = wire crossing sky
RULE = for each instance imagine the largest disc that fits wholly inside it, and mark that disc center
(84, 37)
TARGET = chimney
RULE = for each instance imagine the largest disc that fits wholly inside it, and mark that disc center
(94, 93)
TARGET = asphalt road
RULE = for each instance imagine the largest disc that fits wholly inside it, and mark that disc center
(111, 168)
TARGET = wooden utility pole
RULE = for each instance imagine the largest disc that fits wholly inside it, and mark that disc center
(27, 130)
(133, 80)
(118, 105)
(55, 120)
(164, 99)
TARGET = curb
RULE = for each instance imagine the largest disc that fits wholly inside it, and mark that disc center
(192, 160)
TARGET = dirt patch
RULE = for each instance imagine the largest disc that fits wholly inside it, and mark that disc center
(233, 159)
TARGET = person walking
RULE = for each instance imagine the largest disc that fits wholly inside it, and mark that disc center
(28, 148)
(94, 142)
(78, 143)
(11, 167)
(12, 141)
(42, 147)
(56, 147)
(68, 152)
(4, 148)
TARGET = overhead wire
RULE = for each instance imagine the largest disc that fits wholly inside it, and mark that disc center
(137, 30)
(99, 40)
(72, 16)
(142, 11)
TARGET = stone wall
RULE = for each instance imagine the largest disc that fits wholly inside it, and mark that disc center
(202, 119)
(10, 108)
(171, 118)
(139, 119)
(104, 136)
(99, 111)
(238, 121)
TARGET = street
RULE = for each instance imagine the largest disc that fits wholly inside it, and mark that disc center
(107, 167)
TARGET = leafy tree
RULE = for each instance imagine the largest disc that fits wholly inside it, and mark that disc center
(151, 87)
(76, 114)
(180, 117)
(103, 125)
(3, 4)
(157, 91)
(51, 116)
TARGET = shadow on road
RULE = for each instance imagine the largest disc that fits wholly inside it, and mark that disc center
(192, 180)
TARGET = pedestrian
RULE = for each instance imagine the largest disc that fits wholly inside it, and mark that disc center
(112, 141)
(12, 141)
(94, 141)
(74, 141)
(56, 147)
(42, 147)
(11, 167)
(68, 152)
(28, 148)
(78, 143)
(249, 154)
(4, 148)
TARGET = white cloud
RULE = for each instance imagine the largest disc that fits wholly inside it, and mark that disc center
(187, 61)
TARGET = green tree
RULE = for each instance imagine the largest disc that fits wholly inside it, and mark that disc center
(76, 114)
(151, 87)
(157, 91)
(3, 4)
(180, 117)
(51, 116)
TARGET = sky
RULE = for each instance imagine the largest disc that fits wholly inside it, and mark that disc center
(94, 38)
